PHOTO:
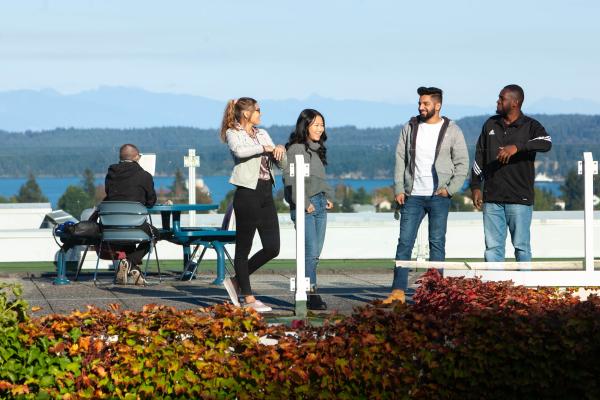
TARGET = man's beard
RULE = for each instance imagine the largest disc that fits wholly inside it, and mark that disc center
(428, 115)
(501, 112)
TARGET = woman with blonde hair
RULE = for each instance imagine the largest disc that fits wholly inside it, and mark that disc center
(254, 154)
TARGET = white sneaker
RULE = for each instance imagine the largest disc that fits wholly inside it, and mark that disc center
(233, 295)
(137, 278)
(122, 272)
(258, 306)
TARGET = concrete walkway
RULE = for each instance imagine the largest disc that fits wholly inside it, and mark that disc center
(341, 290)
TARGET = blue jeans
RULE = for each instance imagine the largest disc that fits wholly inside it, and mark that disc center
(499, 216)
(412, 213)
(315, 224)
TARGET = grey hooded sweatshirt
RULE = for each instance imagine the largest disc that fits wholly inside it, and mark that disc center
(451, 157)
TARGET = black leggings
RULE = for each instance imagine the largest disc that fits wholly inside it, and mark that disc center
(254, 210)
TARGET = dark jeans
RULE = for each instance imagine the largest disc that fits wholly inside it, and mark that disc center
(412, 213)
(254, 211)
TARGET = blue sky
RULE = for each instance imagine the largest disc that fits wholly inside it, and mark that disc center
(350, 49)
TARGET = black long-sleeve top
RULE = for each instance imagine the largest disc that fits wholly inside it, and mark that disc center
(512, 182)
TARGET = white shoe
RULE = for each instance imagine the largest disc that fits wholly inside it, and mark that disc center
(258, 306)
(137, 278)
(233, 295)
(122, 272)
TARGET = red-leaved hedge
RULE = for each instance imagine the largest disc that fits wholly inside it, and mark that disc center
(461, 339)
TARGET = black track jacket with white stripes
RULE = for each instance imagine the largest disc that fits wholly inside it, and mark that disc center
(512, 182)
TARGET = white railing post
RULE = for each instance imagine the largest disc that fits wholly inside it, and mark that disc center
(299, 170)
(191, 161)
(589, 169)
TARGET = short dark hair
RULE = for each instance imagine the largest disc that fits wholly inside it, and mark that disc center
(435, 93)
(517, 91)
(128, 152)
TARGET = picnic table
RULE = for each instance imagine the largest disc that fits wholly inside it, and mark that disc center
(196, 236)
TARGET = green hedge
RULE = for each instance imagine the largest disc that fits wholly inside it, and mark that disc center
(461, 339)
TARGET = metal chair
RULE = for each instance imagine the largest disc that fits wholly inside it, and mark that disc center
(121, 224)
(210, 238)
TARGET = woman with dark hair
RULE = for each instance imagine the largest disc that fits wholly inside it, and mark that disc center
(308, 140)
(253, 153)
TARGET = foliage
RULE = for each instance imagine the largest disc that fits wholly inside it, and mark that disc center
(30, 192)
(461, 339)
(88, 183)
(7, 199)
(382, 194)
(544, 200)
(360, 153)
(538, 343)
(573, 191)
(346, 197)
(226, 202)
(178, 190)
(12, 306)
(462, 202)
(74, 200)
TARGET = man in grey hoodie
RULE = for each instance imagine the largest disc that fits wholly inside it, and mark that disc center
(431, 165)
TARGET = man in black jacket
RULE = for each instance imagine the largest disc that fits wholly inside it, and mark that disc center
(127, 181)
(504, 166)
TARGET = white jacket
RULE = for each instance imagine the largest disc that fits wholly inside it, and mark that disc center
(246, 156)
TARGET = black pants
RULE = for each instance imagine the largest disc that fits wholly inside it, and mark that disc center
(254, 211)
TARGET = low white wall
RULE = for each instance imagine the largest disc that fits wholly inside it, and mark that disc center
(356, 236)
(23, 215)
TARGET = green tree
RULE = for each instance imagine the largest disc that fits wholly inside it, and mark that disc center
(461, 202)
(280, 205)
(572, 190)
(544, 200)
(226, 201)
(30, 192)
(74, 200)
(360, 196)
(7, 199)
(346, 205)
(89, 183)
(179, 191)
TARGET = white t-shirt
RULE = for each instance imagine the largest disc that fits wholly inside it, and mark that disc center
(427, 137)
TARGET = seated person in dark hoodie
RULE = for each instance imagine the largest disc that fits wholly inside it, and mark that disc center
(128, 181)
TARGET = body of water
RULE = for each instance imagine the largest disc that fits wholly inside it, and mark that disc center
(53, 188)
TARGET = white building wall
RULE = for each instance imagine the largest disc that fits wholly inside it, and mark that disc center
(23, 215)
(557, 234)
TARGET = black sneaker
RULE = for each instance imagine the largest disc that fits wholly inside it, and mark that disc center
(315, 302)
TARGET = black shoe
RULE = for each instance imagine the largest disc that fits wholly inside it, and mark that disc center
(315, 302)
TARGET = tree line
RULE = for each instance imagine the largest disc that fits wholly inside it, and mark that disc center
(356, 152)
(86, 194)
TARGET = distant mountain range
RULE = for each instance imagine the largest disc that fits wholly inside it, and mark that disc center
(120, 107)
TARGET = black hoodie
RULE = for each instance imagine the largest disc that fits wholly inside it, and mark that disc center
(127, 181)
